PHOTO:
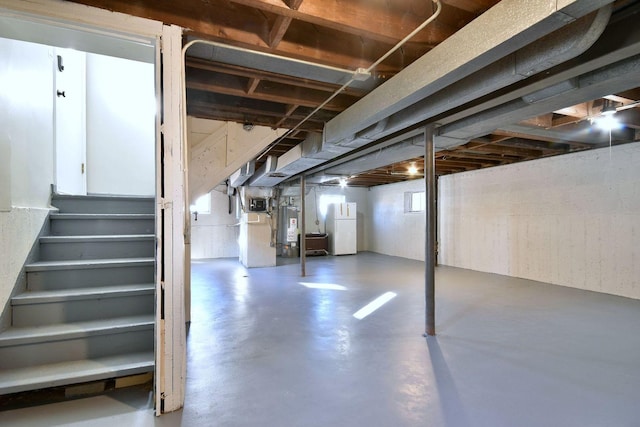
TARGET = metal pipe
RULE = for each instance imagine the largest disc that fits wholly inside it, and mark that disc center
(430, 238)
(303, 230)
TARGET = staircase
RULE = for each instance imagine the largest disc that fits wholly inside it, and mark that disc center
(88, 311)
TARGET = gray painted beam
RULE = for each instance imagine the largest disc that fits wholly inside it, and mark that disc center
(473, 47)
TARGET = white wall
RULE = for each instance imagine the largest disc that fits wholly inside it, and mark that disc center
(26, 121)
(391, 231)
(572, 220)
(120, 126)
(215, 235)
(357, 195)
(26, 152)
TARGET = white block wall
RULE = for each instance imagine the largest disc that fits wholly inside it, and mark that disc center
(390, 230)
(572, 220)
(215, 235)
(26, 153)
(357, 195)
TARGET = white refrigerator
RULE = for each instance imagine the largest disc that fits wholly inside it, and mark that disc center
(341, 225)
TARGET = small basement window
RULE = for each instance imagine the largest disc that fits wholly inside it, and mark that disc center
(202, 205)
(414, 201)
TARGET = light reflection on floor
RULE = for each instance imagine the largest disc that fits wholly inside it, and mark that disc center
(265, 350)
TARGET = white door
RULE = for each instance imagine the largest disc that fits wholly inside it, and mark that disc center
(70, 121)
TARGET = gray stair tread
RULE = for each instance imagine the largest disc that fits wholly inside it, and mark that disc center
(39, 297)
(57, 374)
(99, 197)
(47, 333)
(96, 238)
(86, 263)
(100, 216)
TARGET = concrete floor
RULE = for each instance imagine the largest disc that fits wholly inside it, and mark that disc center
(265, 350)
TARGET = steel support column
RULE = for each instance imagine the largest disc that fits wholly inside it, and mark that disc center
(303, 230)
(430, 231)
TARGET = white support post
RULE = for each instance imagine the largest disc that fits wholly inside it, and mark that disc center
(170, 317)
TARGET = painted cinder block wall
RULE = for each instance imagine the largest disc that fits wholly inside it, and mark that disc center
(215, 235)
(356, 195)
(572, 220)
(26, 153)
(390, 230)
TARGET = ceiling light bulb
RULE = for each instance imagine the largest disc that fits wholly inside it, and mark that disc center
(413, 169)
(343, 182)
(607, 122)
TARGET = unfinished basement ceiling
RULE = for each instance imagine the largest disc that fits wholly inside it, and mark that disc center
(274, 61)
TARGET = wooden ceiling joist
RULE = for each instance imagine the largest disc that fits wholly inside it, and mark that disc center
(386, 22)
(349, 35)
(269, 92)
(201, 64)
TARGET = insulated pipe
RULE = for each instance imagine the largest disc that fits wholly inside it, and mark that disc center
(430, 229)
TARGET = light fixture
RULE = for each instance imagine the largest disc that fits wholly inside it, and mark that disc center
(247, 126)
(607, 120)
(343, 182)
(413, 169)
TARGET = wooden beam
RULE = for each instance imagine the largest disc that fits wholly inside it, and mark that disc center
(487, 157)
(224, 110)
(278, 30)
(386, 22)
(293, 4)
(542, 121)
(460, 164)
(540, 138)
(289, 112)
(320, 45)
(201, 64)
(274, 93)
(252, 85)
(580, 111)
(565, 120)
(229, 116)
(477, 7)
(491, 148)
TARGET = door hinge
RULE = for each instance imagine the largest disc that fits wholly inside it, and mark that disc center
(82, 168)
